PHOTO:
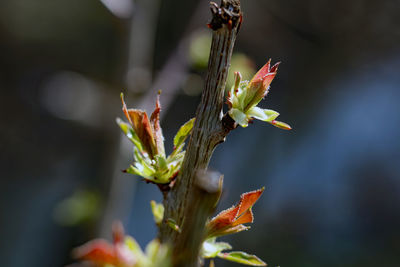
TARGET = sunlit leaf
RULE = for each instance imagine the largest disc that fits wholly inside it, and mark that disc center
(128, 131)
(183, 133)
(211, 248)
(243, 97)
(239, 117)
(242, 257)
(262, 114)
(231, 220)
(142, 127)
(281, 125)
(258, 87)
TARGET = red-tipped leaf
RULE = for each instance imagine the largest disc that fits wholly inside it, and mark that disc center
(227, 221)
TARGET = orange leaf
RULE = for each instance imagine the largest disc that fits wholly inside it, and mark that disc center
(228, 221)
(142, 127)
(101, 252)
(258, 87)
(98, 251)
(247, 217)
(262, 72)
(225, 217)
(247, 200)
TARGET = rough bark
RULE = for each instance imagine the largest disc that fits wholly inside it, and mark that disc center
(203, 199)
(211, 127)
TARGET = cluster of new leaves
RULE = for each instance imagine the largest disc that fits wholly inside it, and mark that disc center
(153, 165)
(231, 221)
(123, 252)
(244, 96)
(150, 161)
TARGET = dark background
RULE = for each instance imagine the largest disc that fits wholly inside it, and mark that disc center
(332, 183)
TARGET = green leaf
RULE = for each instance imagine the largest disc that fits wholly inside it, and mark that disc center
(230, 230)
(152, 249)
(281, 125)
(158, 211)
(239, 117)
(123, 125)
(242, 257)
(262, 114)
(175, 159)
(242, 95)
(157, 254)
(161, 163)
(211, 248)
(183, 133)
(130, 133)
(272, 114)
(143, 165)
(171, 223)
(133, 246)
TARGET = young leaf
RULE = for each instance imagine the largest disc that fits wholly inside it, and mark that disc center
(142, 127)
(258, 87)
(281, 125)
(171, 223)
(158, 211)
(98, 251)
(155, 123)
(231, 220)
(242, 257)
(130, 133)
(244, 96)
(262, 114)
(183, 133)
(211, 248)
(240, 117)
(101, 252)
(133, 246)
(150, 161)
(157, 254)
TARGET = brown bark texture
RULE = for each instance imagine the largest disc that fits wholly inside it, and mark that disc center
(210, 127)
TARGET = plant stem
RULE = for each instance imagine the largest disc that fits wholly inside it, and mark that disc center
(211, 127)
(204, 197)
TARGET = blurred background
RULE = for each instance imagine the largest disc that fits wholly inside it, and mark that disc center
(332, 183)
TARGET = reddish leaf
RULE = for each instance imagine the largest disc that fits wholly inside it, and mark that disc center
(102, 252)
(258, 86)
(142, 127)
(225, 218)
(155, 123)
(98, 251)
(247, 200)
(227, 221)
(118, 232)
(262, 72)
(247, 217)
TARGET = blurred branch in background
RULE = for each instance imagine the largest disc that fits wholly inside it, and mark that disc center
(141, 38)
(139, 72)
